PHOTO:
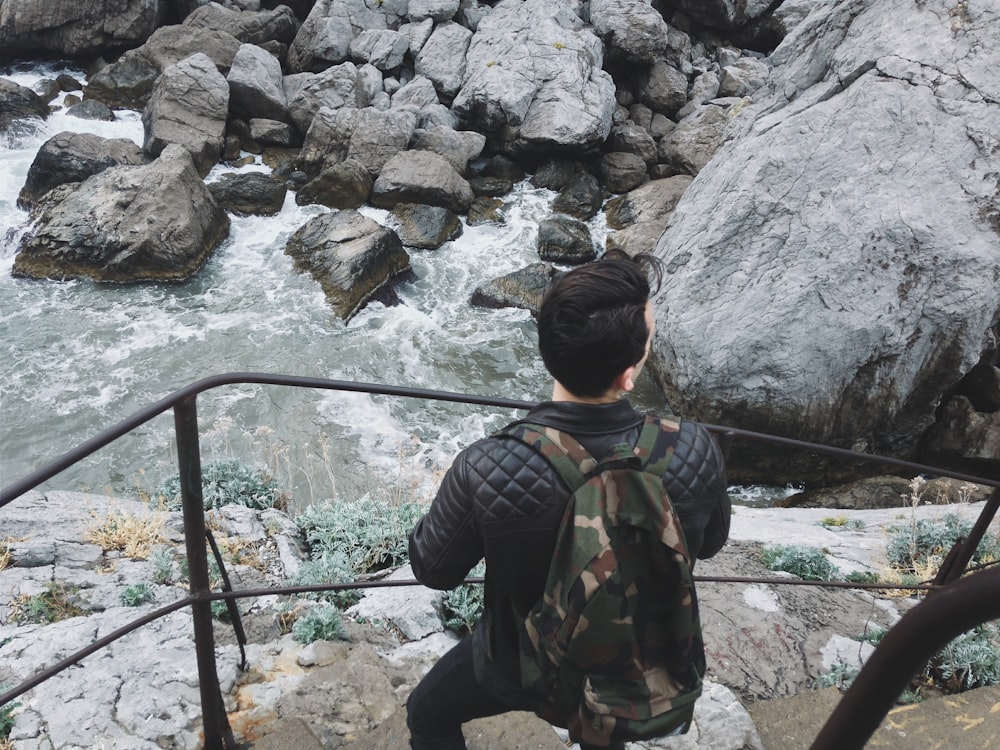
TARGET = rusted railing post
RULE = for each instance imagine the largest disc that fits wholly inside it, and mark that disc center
(218, 735)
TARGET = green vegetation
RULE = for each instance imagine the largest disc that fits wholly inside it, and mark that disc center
(808, 563)
(319, 623)
(370, 535)
(52, 605)
(137, 593)
(463, 605)
(6, 720)
(163, 566)
(918, 548)
(228, 482)
(329, 567)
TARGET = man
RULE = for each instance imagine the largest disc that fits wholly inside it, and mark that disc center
(502, 501)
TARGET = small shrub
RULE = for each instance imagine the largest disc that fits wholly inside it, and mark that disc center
(6, 719)
(835, 522)
(808, 563)
(463, 605)
(321, 623)
(137, 593)
(228, 483)
(329, 567)
(369, 534)
(6, 558)
(919, 548)
(134, 536)
(840, 676)
(163, 566)
(874, 636)
(52, 605)
(220, 610)
(972, 660)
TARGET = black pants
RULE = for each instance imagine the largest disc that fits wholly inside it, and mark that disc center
(447, 697)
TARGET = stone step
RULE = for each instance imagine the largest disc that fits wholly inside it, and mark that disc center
(513, 731)
(967, 721)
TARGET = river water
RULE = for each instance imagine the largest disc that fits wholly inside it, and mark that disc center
(77, 357)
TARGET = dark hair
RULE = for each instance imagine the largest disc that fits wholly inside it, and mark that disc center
(592, 322)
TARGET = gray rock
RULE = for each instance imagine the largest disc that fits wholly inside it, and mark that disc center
(273, 132)
(91, 109)
(856, 229)
(336, 87)
(256, 87)
(345, 184)
(156, 222)
(724, 14)
(18, 102)
(421, 177)
(704, 89)
(523, 288)
(485, 210)
(426, 227)
(458, 147)
(633, 139)
(490, 186)
(252, 27)
(436, 10)
(188, 107)
(417, 34)
(534, 75)
(382, 48)
(663, 88)
(581, 198)
(32, 30)
(653, 201)
(369, 136)
(73, 157)
(743, 77)
(965, 437)
(471, 12)
(565, 240)
(687, 148)
(442, 58)
(250, 193)
(325, 36)
(350, 255)
(417, 95)
(633, 30)
(128, 82)
(622, 171)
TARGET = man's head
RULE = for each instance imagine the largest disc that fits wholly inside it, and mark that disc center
(596, 322)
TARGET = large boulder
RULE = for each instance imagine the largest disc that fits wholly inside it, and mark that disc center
(425, 227)
(256, 85)
(421, 177)
(251, 27)
(833, 271)
(633, 30)
(345, 184)
(250, 193)
(534, 79)
(188, 107)
(155, 222)
(73, 157)
(127, 83)
(383, 48)
(565, 240)
(33, 29)
(459, 147)
(442, 58)
(351, 256)
(641, 215)
(522, 289)
(324, 39)
(368, 136)
(336, 87)
(19, 102)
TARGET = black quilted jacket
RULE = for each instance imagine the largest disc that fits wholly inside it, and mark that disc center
(503, 502)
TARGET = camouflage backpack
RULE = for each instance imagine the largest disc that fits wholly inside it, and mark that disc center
(614, 647)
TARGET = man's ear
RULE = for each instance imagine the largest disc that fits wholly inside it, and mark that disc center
(626, 381)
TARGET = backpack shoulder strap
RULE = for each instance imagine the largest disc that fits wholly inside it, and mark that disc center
(570, 459)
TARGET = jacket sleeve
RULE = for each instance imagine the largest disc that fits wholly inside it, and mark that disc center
(445, 544)
(696, 485)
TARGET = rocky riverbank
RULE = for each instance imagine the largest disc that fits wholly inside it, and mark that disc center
(763, 640)
(802, 168)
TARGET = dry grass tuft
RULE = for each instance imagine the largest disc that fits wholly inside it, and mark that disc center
(135, 536)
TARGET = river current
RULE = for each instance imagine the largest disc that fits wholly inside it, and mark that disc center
(77, 357)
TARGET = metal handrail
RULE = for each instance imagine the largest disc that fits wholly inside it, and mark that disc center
(217, 733)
